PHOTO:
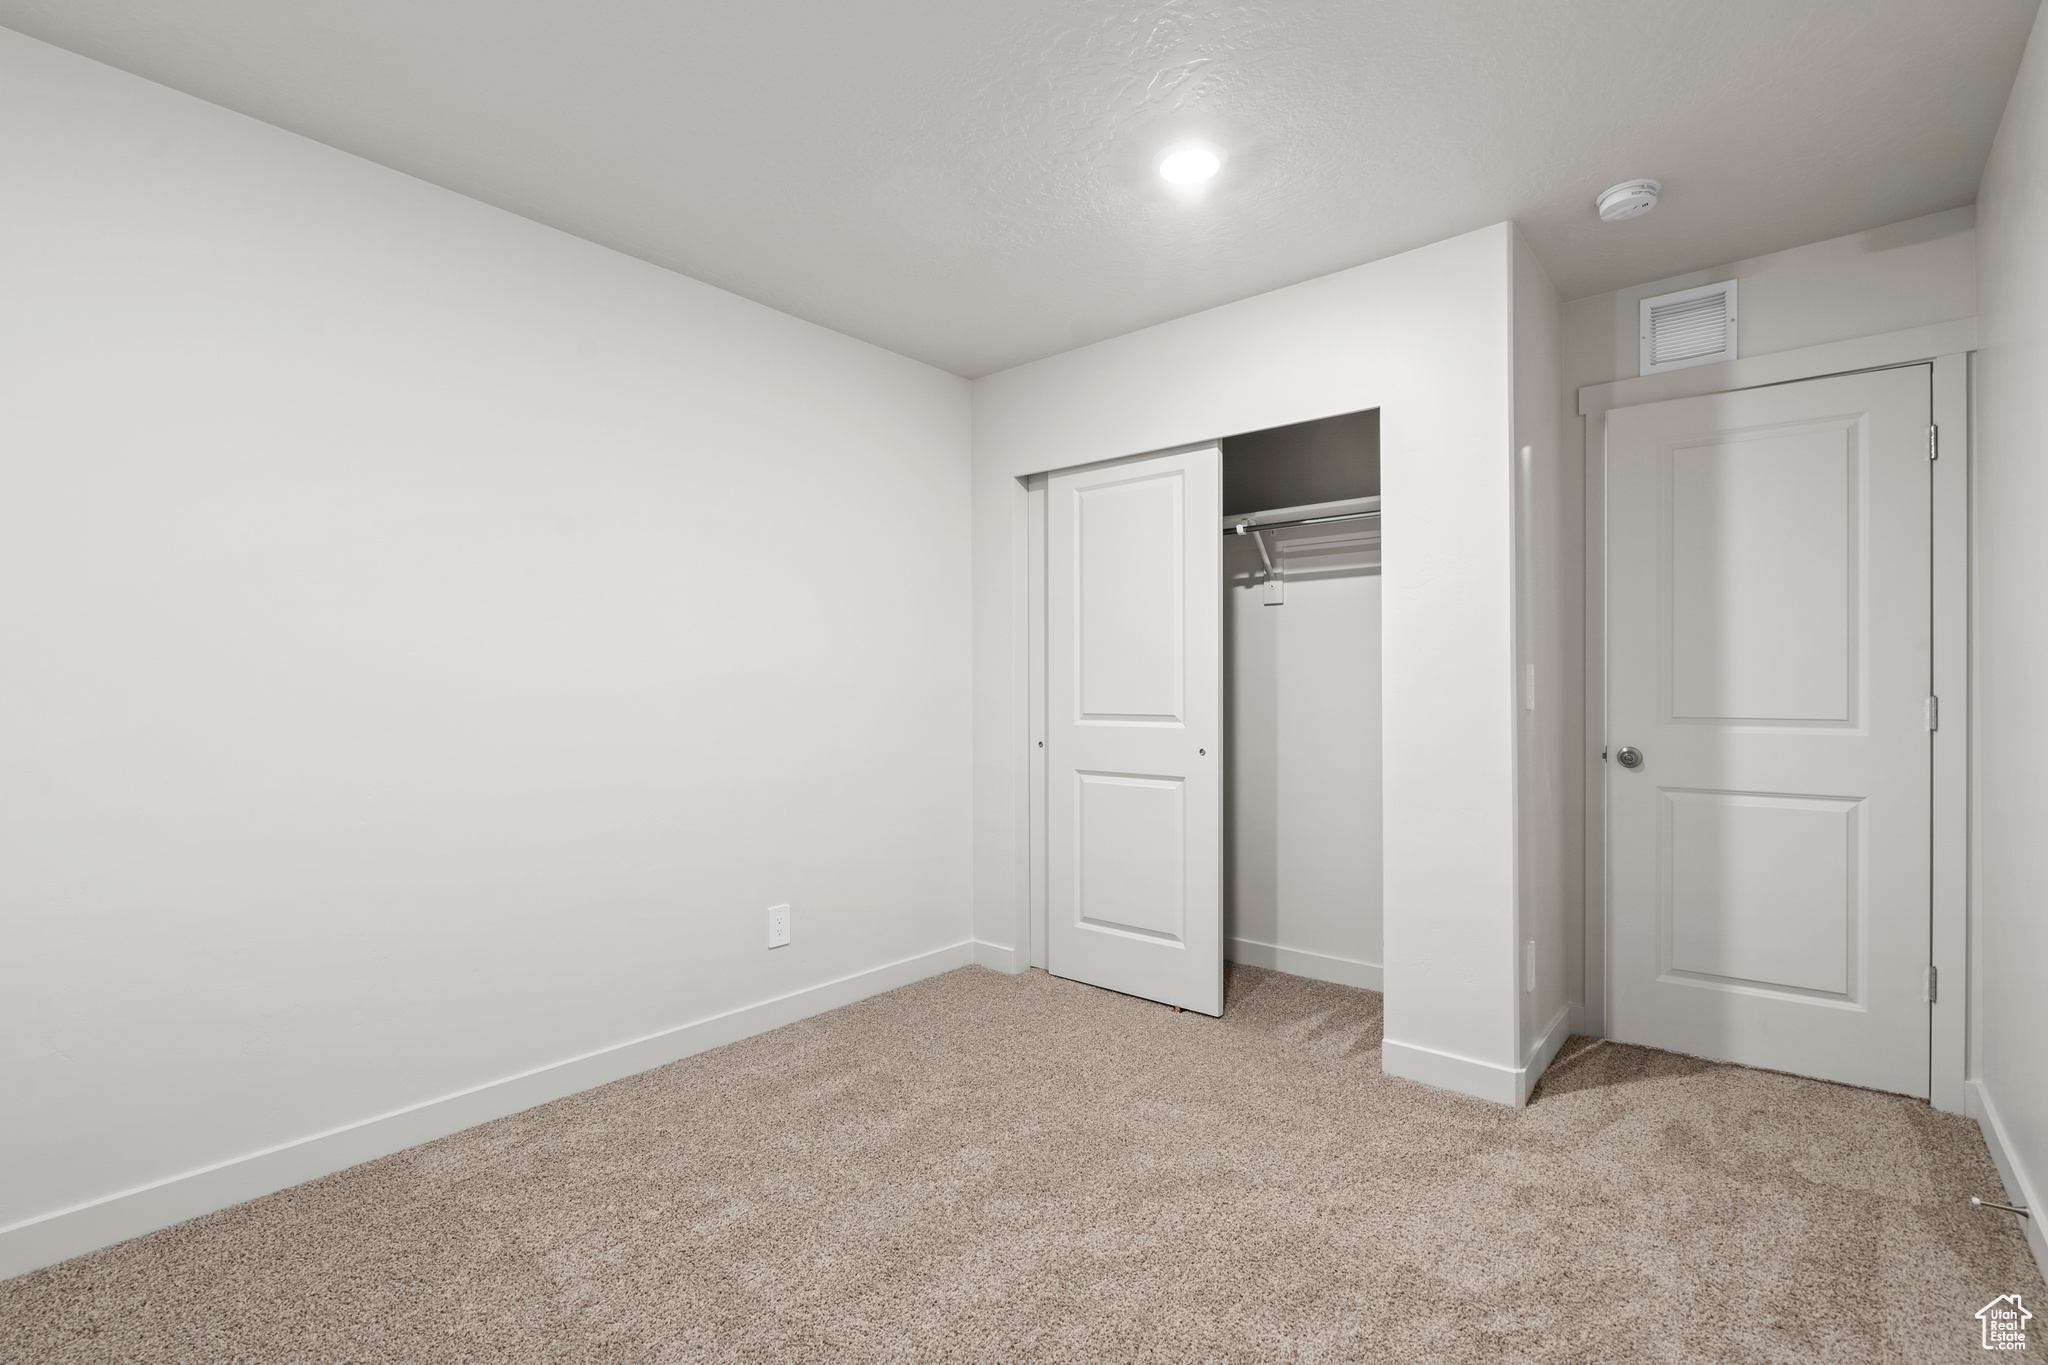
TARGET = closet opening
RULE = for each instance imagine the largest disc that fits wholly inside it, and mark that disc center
(1301, 670)
(1204, 697)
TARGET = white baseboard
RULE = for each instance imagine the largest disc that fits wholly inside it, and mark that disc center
(2020, 1189)
(58, 1236)
(1543, 1051)
(997, 958)
(1342, 971)
(1469, 1075)
(1449, 1071)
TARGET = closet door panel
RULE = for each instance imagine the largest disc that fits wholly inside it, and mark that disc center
(1134, 761)
(1130, 600)
(1131, 837)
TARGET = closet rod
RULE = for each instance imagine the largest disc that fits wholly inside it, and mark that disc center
(1245, 528)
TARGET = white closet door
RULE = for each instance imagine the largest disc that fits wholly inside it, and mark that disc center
(1134, 764)
(1769, 620)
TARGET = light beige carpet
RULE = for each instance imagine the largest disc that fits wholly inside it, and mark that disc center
(991, 1168)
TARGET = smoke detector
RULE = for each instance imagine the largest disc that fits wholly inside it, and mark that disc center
(1629, 199)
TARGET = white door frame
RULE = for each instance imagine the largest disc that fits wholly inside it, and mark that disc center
(1947, 346)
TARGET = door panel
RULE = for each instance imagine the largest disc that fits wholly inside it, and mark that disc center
(1129, 597)
(1769, 628)
(1762, 889)
(1133, 702)
(1131, 835)
(1763, 575)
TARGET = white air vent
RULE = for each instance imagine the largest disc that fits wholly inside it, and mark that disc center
(1691, 327)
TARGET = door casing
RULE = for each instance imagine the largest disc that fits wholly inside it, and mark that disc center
(1948, 347)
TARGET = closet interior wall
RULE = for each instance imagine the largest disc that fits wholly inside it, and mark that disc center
(1302, 804)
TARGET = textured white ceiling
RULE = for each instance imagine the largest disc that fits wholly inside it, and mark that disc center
(970, 182)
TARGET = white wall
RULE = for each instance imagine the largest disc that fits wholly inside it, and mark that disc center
(1909, 274)
(2010, 464)
(1550, 566)
(430, 642)
(1425, 338)
(1302, 814)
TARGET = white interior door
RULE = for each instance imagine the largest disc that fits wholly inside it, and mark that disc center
(1769, 633)
(1134, 669)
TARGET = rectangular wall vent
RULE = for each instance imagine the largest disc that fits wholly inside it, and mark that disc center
(1690, 327)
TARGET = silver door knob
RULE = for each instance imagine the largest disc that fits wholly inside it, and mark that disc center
(1630, 757)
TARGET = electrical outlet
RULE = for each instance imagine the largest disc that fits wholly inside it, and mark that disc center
(778, 926)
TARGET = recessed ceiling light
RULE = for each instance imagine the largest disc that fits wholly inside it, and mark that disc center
(1628, 199)
(1189, 164)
